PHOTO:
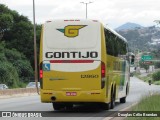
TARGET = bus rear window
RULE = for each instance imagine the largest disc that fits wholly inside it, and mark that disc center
(63, 36)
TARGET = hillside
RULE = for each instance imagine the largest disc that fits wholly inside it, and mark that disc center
(129, 26)
(144, 38)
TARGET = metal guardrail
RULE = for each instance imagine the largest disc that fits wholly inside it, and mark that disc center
(17, 91)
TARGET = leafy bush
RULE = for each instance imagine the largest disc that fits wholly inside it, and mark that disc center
(14, 67)
(157, 64)
(157, 82)
(156, 76)
(20, 62)
(8, 74)
(24, 69)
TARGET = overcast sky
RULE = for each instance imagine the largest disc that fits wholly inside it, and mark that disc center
(111, 12)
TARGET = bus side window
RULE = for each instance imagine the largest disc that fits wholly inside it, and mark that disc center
(108, 40)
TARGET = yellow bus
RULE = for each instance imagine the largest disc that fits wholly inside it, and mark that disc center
(81, 61)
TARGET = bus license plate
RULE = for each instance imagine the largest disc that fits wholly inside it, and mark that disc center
(71, 94)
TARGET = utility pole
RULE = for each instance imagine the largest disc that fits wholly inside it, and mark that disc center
(86, 3)
(35, 50)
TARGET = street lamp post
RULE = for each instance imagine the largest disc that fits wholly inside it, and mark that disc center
(86, 3)
(35, 49)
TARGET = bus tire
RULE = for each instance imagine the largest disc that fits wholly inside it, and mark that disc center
(105, 106)
(57, 106)
(127, 90)
(123, 100)
(112, 99)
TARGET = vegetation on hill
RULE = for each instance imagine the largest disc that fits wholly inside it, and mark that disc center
(141, 38)
(16, 47)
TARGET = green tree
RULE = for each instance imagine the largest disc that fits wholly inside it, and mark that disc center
(16, 45)
(14, 67)
(21, 64)
(6, 20)
(20, 34)
(24, 69)
(145, 66)
(2, 55)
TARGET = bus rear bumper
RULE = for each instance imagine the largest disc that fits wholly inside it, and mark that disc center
(73, 96)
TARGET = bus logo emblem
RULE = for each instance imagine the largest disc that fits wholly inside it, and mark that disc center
(71, 30)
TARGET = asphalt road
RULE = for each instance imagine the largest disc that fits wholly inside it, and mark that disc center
(138, 90)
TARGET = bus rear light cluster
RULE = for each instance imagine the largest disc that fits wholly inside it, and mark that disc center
(103, 70)
(103, 74)
(41, 74)
(40, 71)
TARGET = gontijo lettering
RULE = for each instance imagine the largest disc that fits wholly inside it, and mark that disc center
(74, 54)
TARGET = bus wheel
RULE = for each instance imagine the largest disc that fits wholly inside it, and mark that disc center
(57, 106)
(123, 100)
(105, 106)
(112, 100)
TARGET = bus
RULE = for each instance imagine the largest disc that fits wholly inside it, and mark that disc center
(81, 61)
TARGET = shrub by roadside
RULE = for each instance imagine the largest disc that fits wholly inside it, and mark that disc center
(154, 77)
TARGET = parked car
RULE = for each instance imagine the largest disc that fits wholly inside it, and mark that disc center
(3, 86)
(32, 85)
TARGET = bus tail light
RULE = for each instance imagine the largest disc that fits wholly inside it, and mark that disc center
(40, 71)
(41, 74)
(103, 74)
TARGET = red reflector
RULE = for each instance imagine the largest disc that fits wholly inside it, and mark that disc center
(71, 61)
